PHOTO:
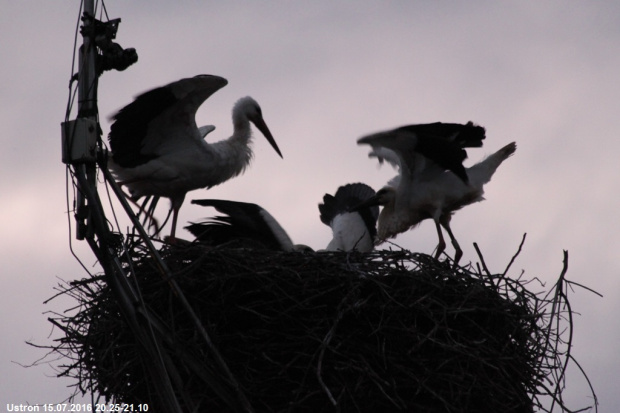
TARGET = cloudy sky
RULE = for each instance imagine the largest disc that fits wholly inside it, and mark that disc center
(544, 74)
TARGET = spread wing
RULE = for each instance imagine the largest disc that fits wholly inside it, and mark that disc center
(160, 121)
(424, 151)
(242, 221)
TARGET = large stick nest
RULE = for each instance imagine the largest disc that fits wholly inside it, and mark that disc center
(385, 331)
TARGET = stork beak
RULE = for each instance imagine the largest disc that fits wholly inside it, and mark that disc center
(262, 126)
(374, 200)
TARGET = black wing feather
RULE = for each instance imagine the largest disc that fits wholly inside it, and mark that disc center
(347, 197)
(444, 143)
(243, 221)
(131, 125)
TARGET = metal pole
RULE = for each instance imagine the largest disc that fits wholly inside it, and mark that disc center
(81, 150)
(91, 223)
(87, 76)
(87, 108)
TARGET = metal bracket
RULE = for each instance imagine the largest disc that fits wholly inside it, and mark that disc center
(79, 141)
(112, 56)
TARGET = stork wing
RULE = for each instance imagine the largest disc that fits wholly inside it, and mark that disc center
(347, 197)
(161, 120)
(425, 151)
(205, 130)
(399, 149)
(243, 220)
(337, 212)
(468, 135)
(384, 154)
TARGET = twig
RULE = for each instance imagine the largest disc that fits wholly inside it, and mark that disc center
(514, 257)
(484, 265)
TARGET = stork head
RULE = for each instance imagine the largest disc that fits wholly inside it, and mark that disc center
(250, 109)
(384, 196)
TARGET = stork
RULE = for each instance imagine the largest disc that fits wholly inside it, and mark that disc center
(243, 221)
(432, 181)
(158, 150)
(352, 230)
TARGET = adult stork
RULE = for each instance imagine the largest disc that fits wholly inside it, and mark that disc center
(351, 230)
(158, 150)
(432, 181)
(243, 221)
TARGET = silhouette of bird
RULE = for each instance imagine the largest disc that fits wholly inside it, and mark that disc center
(243, 222)
(158, 150)
(352, 230)
(432, 181)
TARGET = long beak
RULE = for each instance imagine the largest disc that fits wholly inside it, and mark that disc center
(262, 126)
(370, 202)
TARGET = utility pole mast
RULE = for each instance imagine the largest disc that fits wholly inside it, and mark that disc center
(84, 153)
(87, 118)
(81, 137)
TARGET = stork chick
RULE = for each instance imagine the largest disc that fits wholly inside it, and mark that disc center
(351, 230)
(243, 221)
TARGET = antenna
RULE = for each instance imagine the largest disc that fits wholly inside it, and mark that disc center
(81, 137)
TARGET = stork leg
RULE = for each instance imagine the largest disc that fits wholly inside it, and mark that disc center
(150, 214)
(148, 211)
(142, 207)
(175, 215)
(458, 252)
(176, 206)
(442, 243)
(163, 224)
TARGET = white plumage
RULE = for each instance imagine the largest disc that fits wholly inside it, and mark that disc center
(158, 150)
(432, 183)
(351, 230)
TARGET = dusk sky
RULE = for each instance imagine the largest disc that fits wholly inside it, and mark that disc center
(542, 73)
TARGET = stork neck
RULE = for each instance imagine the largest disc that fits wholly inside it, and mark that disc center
(242, 131)
(234, 153)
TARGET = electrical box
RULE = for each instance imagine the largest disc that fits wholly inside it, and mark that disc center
(79, 140)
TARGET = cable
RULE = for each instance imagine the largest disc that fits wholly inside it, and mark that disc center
(69, 224)
(73, 77)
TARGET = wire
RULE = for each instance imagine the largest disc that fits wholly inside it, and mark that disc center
(104, 10)
(72, 76)
(67, 175)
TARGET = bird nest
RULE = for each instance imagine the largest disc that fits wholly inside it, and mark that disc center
(325, 331)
